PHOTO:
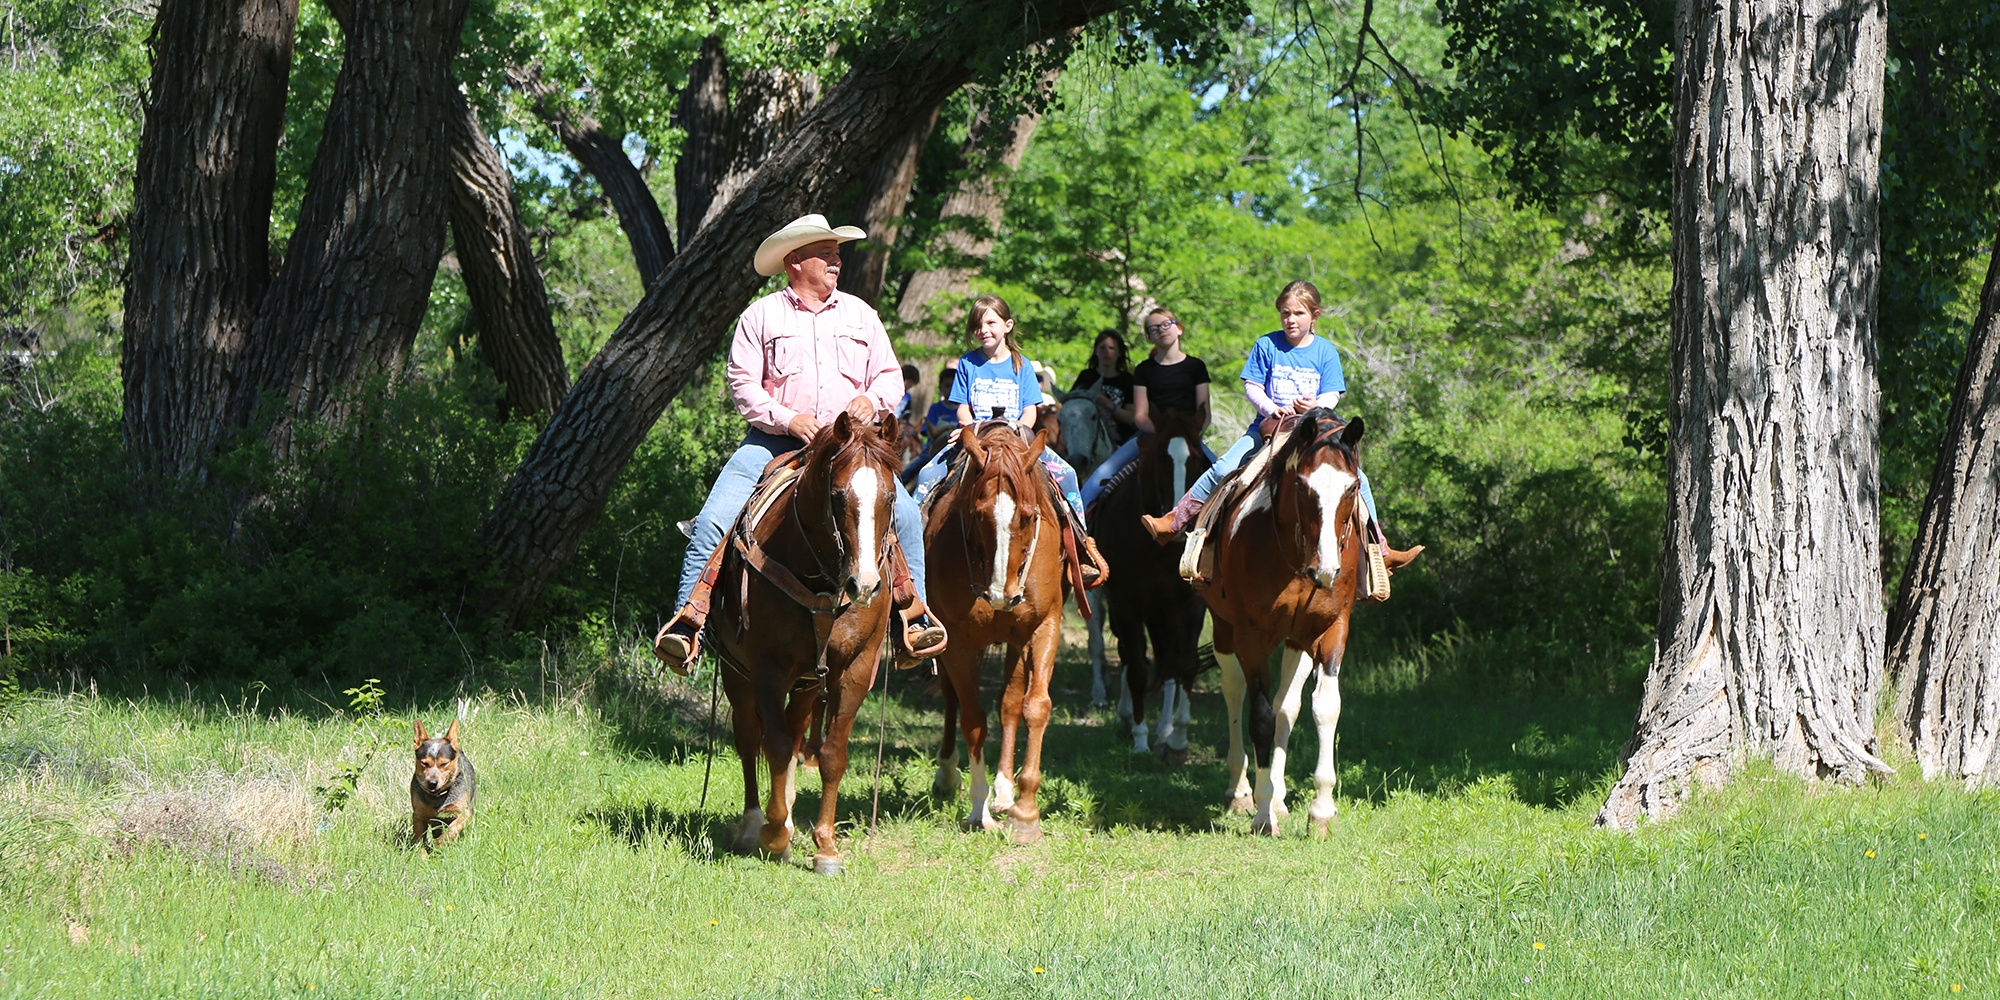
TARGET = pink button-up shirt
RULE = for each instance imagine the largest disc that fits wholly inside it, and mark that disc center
(787, 359)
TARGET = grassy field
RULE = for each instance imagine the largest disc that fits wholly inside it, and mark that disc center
(177, 847)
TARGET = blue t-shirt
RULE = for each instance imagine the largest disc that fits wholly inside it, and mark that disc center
(1288, 373)
(983, 385)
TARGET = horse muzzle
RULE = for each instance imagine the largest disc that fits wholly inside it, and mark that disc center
(862, 592)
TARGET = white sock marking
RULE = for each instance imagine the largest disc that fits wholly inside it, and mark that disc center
(1003, 530)
(1237, 761)
(1326, 714)
(864, 487)
(1329, 485)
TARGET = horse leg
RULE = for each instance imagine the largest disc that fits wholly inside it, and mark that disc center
(1012, 697)
(1040, 664)
(1167, 735)
(745, 727)
(784, 728)
(855, 682)
(1326, 715)
(1098, 610)
(1131, 637)
(945, 785)
(1236, 760)
(1291, 686)
(961, 668)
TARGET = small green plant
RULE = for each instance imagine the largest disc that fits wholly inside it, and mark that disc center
(365, 701)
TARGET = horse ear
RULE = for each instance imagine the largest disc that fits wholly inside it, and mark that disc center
(1352, 434)
(889, 428)
(975, 449)
(1040, 443)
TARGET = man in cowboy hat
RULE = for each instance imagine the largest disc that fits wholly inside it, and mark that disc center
(799, 357)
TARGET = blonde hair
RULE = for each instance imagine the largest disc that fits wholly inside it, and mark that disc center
(998, 307)
(1302, 292)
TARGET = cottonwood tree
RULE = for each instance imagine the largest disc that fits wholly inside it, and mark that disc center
(1771, 630)
(1945, 637)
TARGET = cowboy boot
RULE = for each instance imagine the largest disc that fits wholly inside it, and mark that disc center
(919, 639)
(1166, 526)
(679, 640)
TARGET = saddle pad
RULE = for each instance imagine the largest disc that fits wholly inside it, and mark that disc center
(766, 495)
(1197, 564)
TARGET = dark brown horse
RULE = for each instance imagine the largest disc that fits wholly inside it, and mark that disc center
(1147, 597)
(1287, 570)
(804, 605)
(993, 542)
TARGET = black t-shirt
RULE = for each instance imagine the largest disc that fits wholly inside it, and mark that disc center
(1171, 387)
(1117, 387)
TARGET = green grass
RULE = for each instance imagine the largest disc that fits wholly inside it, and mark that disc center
(171, 847)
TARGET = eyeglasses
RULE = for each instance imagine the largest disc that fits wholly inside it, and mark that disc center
(1159, 328)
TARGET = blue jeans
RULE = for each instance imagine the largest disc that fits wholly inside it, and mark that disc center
(732, 490)
(1204, 487)
(1060, 470)
(1113, 463)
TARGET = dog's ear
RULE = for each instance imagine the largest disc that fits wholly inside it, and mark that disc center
(451, 734)
(422, 737)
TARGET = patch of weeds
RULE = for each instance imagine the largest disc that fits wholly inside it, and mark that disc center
(369, 739)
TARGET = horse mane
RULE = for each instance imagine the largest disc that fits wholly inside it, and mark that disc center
(1306, 438)
(828, 448)
(1008, 457)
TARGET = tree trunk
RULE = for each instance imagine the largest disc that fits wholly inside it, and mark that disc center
(1944, 639)
(602, 155)
(703, 113)
(561, 486)
(357, 276)
(517, 337)
(885, 191)
(201, 220)
(1771, 629)
(971, 215)
(770, 103)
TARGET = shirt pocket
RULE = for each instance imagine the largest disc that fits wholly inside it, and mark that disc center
(852, 346)
(788, 354)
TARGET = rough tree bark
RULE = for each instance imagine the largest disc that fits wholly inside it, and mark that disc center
(510, 304)
(1944, 638)
(770, 104)
(1771, 629)
(703, 113)
(561, 486)
(885, 192)
(602, 155)
(357, 274)
(201, 220)
(971, 214)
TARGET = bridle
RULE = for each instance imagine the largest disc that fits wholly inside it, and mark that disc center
(1305, 563)
(965, 538)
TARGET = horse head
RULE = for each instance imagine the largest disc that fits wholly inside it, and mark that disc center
(1002, 490)
(1086, 435)
(1171, 457)
(846, 499)
(1315, 490)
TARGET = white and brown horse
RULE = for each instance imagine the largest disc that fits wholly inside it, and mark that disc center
(804, 602)
(1288, 568)
(1147, 597)
(993, 543)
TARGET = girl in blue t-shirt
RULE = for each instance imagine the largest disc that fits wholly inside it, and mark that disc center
(997, 380)
(1290, 370)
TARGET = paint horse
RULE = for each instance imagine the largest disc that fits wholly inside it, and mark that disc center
(994, 545)
(1147, 597)
(1288, 568)
(804, 606)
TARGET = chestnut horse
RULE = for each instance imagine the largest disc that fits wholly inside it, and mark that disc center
(1287, 570)
(993, 542)
(804, 601)
(1146, 594)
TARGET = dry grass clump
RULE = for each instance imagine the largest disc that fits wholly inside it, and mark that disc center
(241, 821)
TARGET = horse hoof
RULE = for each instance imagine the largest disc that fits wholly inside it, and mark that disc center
(1321, 826)
(828, 866)
(980, 824)
(944, 790)
(1025, 831)
(1242, 804)
(1262, 828)
(1171, 755)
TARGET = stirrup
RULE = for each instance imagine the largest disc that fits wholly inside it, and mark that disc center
(916, 643)
(675, 650)
(1191, 555)
(1377, 574)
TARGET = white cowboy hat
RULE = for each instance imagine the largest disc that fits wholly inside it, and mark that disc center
(804, 230)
